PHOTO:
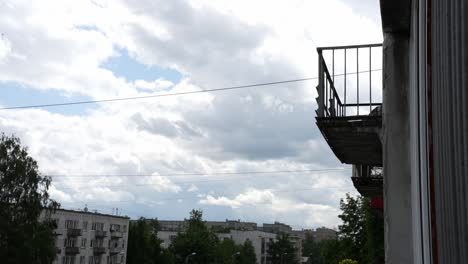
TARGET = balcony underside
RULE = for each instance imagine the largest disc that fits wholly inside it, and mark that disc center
(353, 139)
(368, 186)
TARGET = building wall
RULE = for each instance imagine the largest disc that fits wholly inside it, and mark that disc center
(84, 222)
(260, 240)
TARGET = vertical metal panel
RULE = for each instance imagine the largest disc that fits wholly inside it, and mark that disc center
(450, 127)
(418, 135)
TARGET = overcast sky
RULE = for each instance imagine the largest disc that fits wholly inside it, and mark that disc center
(64, 51)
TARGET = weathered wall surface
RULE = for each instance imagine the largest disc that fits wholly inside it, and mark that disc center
(396, 142)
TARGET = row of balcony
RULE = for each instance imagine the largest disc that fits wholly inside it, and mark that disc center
(74, 232)
(73, 250)
(349, 112)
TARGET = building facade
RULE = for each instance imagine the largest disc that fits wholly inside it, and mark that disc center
(84, 237)
(260, 236)
(260, 240)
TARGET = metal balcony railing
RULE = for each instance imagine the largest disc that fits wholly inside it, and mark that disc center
(72, 250)
(348, 98)
(73, 232)
(99, 250)
(116, 234)
(100, 233)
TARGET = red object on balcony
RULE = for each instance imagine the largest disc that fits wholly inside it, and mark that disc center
(376, 203)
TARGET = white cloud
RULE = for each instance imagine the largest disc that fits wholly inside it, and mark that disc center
(154, 85)
(62, 45)
(276, 207)
(192, 188)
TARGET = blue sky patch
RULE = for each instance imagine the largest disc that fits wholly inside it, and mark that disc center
(130, 69)
(15, 94)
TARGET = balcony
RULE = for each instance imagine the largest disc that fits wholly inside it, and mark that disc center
(100, 233)
(116, 234)
(115, 250)
(368, 180)
(72, 250)
(73, 232)
(99, 250)
(349, 113)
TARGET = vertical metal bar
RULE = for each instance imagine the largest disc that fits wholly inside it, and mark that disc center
(321, 85)
(357, 80)
(326, 94)
(370, 79)
(345, 82)
(333, 66)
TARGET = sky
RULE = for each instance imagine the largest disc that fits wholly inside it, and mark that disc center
(162, 157)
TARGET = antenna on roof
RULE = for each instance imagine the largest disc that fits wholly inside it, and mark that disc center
(116, 211)
(86, 208)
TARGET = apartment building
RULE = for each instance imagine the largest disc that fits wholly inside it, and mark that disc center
(84, 237)
(217, 226)
(259, 239)
(239, 232)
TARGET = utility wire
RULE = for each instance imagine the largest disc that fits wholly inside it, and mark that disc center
(190, 174)
(222, 195)
(172, 94)
(151, 184)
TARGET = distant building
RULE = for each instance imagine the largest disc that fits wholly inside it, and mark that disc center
(84, 237)
(260, 240)
(217, 226)
(276, 228)
(323, 233)
(239, 232)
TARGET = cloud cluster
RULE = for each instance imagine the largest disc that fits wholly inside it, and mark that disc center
(176, 147)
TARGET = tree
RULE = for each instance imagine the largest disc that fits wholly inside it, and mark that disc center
(311, 249)
(144, 246)
(361, 237)
(352, 233)
(26, 230)
(348, 261)
(247, 254)
(197, 239)
(282, 250)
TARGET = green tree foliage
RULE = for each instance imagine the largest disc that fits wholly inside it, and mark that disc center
(360, 235)
(247, 254)
(25, 235)
(375, 236)
(312, 250)
(348, 261)
(282, 250)
(197, 239)
(352, 232)
(144, 247)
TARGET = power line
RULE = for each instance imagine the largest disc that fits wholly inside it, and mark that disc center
(172, 94)
(223, 195)
(154, 184)
(191, 174)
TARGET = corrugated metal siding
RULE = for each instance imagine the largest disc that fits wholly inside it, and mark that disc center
(450, 127)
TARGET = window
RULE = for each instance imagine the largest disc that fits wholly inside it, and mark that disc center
(97, 226)
(82, 259)
(68, 260)
(71, 224)
(92, 243)
(85, 225)
(70, 242)
(114, 227)
(125, 228)
(83, 242)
